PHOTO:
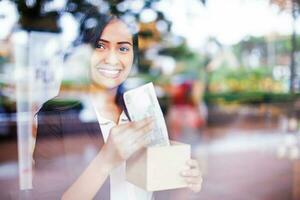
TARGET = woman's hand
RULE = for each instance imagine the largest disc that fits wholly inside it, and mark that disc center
(126, 139)
(192, 175)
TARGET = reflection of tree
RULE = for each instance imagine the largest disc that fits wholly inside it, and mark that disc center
(36, 15)
(189, 63)
(294, 7)
(33, 15)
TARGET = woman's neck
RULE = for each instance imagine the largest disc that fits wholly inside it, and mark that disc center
(105, 102)
(103, 96)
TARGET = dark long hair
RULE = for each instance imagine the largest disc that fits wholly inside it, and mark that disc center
(92, 26)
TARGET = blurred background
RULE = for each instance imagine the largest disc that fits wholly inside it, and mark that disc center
(227, 76)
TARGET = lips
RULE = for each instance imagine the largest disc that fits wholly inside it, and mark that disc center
(109, 73)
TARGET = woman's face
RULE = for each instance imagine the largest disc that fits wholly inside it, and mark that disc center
(112, 58)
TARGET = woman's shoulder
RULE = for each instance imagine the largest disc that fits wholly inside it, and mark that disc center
(60, 104)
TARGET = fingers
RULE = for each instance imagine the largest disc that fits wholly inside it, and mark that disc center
(194, 183)
(193, 180)
(140, 143)
(195, 187)
(141, 124)
(193, 163)
(192, 175)
(148, 127)
(132, 130)
(135, 136)
(134, 146)
(141, 138)
(140, 131)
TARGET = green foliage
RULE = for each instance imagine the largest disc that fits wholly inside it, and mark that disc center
(282, 45)
(249, 97)
(243, 80)
(241, 73)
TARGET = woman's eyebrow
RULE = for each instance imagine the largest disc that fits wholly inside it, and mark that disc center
(125, 42)
(122, 42)
(101, 40)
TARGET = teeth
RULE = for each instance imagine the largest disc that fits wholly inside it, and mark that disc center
(109, 73)
(112, 72)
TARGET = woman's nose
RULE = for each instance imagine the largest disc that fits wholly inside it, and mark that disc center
(112, 58)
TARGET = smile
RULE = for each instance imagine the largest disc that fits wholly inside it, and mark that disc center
(109, 73)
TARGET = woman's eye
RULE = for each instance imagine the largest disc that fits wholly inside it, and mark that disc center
(124, 49)
(100, 46)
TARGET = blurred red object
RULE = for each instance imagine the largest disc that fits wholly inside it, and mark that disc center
(181, 94)
(184, 113)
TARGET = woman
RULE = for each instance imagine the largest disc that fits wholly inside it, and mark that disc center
(117, 138)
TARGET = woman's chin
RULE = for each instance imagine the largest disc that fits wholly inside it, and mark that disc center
(104, 82)
(108, 85)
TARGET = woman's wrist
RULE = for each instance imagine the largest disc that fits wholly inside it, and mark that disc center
(92, 178)
(105, 160)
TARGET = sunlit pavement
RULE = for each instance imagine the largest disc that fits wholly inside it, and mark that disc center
(239, 161)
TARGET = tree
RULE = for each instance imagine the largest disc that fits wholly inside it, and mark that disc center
(292, 6)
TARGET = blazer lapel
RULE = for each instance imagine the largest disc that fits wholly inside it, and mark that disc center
(93, 129)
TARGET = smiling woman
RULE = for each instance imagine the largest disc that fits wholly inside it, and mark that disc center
(111, 136)
(77, 157)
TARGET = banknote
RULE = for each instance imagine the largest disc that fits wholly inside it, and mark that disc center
(142, 102)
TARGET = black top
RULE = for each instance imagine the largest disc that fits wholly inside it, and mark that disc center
(65, 145)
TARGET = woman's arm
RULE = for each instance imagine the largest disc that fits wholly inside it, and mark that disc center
(91, 180)
(123, 141)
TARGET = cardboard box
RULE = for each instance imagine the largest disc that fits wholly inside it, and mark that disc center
(158, 168)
